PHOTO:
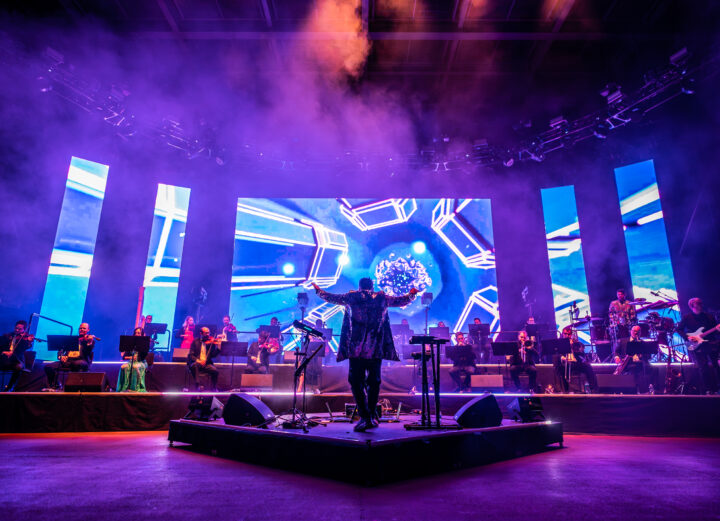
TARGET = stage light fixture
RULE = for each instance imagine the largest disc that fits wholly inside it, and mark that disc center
(288, 268)
(419, 247)
(302, 300)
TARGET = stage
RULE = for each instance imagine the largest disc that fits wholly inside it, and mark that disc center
(636, 415)
(387, 453)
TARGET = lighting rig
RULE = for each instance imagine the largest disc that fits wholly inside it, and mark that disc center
(110, 103)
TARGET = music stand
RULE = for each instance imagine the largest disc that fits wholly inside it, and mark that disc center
(644, 348)
(504, 349)
(455, 352)
(440, 333)
(273, 330)
(64, 343)
(556, 346)
(233, 349)
(478, 330)
(155, 329)
(537, 330)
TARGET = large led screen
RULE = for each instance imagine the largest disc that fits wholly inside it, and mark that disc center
(441, 246)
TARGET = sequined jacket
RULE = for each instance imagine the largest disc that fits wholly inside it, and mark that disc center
(365, 330)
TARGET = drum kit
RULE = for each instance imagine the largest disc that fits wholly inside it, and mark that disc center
(606, 332)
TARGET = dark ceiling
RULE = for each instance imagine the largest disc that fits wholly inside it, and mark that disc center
(437, 38)
(534, 58)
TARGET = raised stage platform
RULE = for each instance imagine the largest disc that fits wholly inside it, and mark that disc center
(657, 415)
(396, 377)
(388, 453)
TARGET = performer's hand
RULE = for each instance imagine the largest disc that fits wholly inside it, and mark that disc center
(413, 291)
(63, 358)
(693, 338)
(317, 288)
(6, 353)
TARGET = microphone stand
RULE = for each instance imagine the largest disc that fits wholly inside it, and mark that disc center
(299, 418)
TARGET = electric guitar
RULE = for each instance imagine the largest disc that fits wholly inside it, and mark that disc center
(697, 338)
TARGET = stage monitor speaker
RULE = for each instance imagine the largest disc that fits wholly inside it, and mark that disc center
(616, 383)
(487, 382)
(480, 412)
(84, 382)
(204, 408)
(527, 409)
(180, 354)
(246, 410)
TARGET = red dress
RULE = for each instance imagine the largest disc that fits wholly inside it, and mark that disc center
(187, 337)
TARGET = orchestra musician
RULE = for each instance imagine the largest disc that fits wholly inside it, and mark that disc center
(200, 357)
(259, 353)
(638, 365)
(75, 361)
(366, 340)
(523, 361)
(699, 327)
(622, 315)
(578, 361)
(13, 355)
(482, 346)
(187, 332)
(463, 364)
(126, 382)
(229, 331)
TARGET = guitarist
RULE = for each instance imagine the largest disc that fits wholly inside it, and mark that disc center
(695, 328)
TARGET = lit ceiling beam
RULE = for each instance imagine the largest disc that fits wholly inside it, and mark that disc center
(169, 18)
(543, 47)
(401, 35)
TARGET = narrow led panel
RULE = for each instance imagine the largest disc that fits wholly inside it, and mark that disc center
(167, 237)
(567, 268)
(72, 254)
(645, 234)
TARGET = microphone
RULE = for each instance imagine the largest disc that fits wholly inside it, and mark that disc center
(655, 293)
(307, 329)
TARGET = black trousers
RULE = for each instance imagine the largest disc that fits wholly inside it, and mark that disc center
(576, 368)
(209, 369)
(461, 375)
(11, 363)
(365, 377)
(256, 369)
(76, 366)
(644, 375)
(516, 370)
(706, 359)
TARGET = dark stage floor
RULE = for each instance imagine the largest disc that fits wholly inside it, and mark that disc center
(136, 476)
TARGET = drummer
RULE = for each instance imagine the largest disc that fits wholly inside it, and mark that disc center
(622, 316)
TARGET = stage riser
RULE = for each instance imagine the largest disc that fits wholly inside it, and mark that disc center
(621, 415)
(367, 464)
(169, 376)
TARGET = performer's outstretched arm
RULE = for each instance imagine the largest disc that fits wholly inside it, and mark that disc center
(334, 298)
(402, 300)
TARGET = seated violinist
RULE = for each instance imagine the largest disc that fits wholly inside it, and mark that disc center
(13, 348)
(132, 372)
(259, 353)
(200, 357)
(76, 361)
(523, 361)
(578, 361)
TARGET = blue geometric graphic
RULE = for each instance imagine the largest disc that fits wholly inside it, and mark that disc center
(72, 255)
